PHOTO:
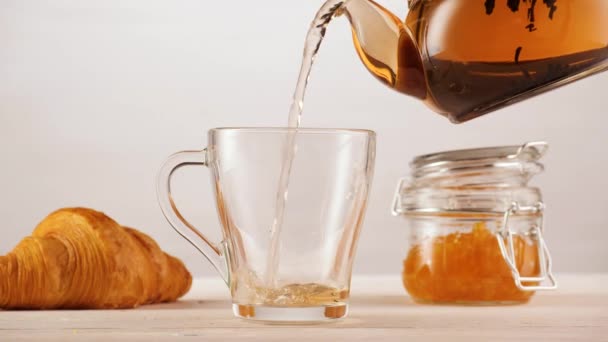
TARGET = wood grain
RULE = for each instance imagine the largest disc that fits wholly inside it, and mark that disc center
(380, 309)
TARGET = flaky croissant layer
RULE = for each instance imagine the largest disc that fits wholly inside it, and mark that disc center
(79, 258)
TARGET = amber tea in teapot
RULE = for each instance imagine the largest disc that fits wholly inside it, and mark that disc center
(465, 58)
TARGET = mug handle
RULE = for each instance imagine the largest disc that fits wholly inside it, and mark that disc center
(213, 252)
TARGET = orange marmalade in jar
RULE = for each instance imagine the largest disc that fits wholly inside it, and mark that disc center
(476, 227)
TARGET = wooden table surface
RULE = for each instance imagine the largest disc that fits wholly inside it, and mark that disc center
(380, 310)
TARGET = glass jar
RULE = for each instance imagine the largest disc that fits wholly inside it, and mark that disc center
(475, 226)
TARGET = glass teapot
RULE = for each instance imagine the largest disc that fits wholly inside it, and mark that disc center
(465, 58)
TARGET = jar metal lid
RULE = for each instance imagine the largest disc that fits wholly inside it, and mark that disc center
(484, 180)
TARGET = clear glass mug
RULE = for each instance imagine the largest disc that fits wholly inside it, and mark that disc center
(300, 270)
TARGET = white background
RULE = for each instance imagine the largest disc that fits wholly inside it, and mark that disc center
(95, 94)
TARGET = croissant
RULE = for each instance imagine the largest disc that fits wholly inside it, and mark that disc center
(79, 258)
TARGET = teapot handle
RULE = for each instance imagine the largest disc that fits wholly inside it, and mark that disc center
(215, 253)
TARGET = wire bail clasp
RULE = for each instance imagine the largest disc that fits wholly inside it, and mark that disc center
(396, 205)
(508, 251)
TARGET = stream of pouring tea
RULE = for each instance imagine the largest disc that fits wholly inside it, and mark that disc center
(314, 38)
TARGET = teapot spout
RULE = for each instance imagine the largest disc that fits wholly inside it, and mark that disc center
(386, 47)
